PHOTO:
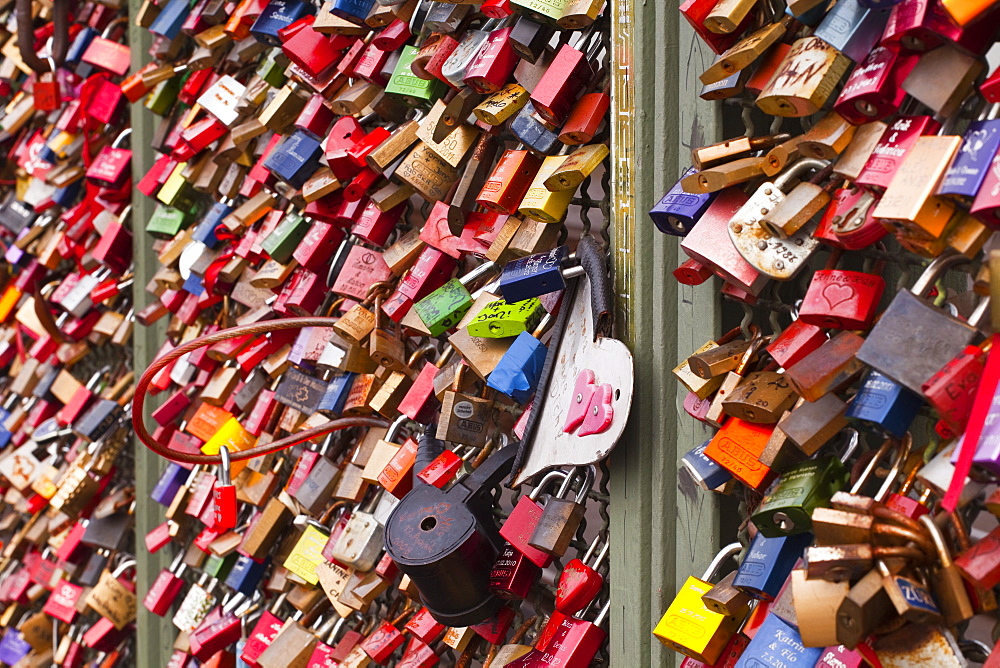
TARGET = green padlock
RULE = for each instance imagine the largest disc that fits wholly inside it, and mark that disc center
(161, 100)
(219, 566)
(166, 221)
(282, 241)
(272, 68)
(787, 509)
(414, 90)
(445, 307)
(499, 320)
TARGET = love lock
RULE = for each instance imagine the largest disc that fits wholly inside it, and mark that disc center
(778, 258)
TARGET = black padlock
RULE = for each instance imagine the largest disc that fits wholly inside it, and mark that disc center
(447, 542)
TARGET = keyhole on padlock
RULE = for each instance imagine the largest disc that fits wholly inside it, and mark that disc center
(784, 522)
(428, 523)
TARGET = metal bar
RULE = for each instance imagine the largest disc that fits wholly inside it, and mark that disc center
(155, 635)
(656, 117)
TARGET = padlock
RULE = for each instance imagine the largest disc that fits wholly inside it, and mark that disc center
(580, 582)
(465, 419)
(165, 589)
(841, 299)
(689, 626)
(901, 326)
(885, 404)
(361, 541)
(788, 507)
(561, 517)
(778, 258)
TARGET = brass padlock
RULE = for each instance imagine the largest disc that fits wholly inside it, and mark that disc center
(465, 419)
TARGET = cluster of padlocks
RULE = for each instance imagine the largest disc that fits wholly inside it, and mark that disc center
(854, 423)
(67, 566)
(373, 232)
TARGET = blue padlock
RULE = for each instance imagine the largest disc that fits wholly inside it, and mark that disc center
(536, 275)
(79, 45)
(295, 159)
(194, 284)
(532, 132)
(706, 472)
(66, 197)
(246, 574)
(277, 15)
(170, 19)
(768, 564)
(204, 231)
(519, 370)
(355, 11)
(778, 643)
(883, 403)
(678, 211)
(852, 29)
(336, 394)
(171, 480)
(973, 161)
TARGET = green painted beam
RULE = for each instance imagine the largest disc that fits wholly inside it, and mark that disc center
(662, 530)
(156, 635)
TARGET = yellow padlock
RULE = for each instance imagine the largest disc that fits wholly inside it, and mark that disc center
(688, 626)
(539, 202)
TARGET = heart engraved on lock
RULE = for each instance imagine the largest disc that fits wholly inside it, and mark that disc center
(836, 293)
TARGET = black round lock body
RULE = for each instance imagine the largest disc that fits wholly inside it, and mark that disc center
(447, 542)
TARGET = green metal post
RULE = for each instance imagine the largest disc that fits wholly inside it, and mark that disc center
(662, 530)
(155, 634)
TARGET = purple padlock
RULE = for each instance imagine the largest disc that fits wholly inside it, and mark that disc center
(13, 647)
(171, 480)
(678, 211)
(967, 172)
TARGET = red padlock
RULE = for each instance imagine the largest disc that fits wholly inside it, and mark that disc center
(62, 602)
(842, 299)
(520, 524)
(442, 470)
(848, 222)
(225, 495)
(494, 64)
(384, 640)
(418, 655)
(513, 574)
(424, 627)
(795, 342)
(952, 390)
(166, 587)
(580, 582)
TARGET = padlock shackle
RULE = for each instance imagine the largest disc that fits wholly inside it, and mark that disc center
(712, 571)
(797, 169)
(938, 539)
(935, 270)
(550, 476)
(395, 428)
